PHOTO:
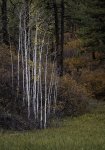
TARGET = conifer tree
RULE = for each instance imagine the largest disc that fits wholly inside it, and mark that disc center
(92, 29)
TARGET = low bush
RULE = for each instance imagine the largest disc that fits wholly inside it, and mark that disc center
(73, 98)
(75, 64)
(95, 82)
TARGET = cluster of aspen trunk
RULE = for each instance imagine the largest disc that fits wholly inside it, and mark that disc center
(39, 77)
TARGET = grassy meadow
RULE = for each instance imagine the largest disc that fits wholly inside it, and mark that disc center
(86, 132)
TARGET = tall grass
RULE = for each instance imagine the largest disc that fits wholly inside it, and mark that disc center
(86, 132)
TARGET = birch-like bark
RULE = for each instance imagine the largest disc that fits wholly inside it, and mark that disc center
(12, 67)
(40, 81)
(55, 91)
(18, 85)
(50, 90)
(29, 76)
(23, 73)
(21, 49)
(34, 60)
(45, 103)
(26, 69)
(40, 84)
(40, 99)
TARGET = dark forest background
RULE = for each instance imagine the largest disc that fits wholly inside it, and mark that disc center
(77, 30)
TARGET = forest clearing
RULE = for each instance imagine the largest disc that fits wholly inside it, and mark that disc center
(86, 132)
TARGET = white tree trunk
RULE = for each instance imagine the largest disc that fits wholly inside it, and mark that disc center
(45, 103)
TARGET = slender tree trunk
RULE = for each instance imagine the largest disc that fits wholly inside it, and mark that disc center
(35, 73)
(12, 67)
(62, 38)
(4, 22)
(50, 90)
(55, 93)
(20, 25)
(26, 4)
(29, 76)
(55, 87)
(26, 69)
(45, 103)
(40, 83)
(26, 49)
(23, 73)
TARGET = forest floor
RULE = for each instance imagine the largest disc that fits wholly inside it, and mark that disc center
(86, 132)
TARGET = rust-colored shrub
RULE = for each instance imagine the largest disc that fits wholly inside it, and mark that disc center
(95, 82)
(75, 63)
(73, 98)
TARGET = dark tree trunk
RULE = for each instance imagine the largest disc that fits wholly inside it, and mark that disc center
(93, 56)
(52, 51)
(56, 23)
(62, 37)
(57, 35)
(4, 22)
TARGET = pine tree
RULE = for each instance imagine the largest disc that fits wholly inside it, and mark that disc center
(93, 26)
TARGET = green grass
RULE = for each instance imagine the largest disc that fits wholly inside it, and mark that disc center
(86, 132)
